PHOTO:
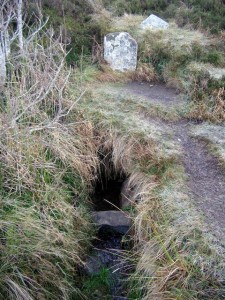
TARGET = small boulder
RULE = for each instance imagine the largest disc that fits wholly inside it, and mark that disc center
(120, 51)
(216, 73)
(93, 265)
(117, 220)
(154, 22)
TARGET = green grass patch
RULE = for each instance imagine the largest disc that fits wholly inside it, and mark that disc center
(98, 286)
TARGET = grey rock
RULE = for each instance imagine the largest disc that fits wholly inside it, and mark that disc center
(216, 73)
(117, 220)
(93, 265)
(120, 51)
(154, 22)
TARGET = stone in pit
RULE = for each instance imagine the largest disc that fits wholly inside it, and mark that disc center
(154, 22)
(117, 220)
(120, 51)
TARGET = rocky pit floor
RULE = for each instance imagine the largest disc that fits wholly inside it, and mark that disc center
(206, 177)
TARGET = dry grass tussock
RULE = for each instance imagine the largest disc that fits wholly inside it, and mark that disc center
(207, 93)
(214, 111)
(108, 75)
(128, 22)
(170, 49)
(177, 260)
(126, 150)
(144, 73)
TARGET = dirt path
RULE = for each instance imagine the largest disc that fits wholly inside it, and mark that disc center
(157, 93)
(206, 178)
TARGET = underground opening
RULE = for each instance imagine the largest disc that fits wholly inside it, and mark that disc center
(112, 224)
(107, 194)
(107, 200)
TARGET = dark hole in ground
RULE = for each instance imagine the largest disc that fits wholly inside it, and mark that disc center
(107, 257)
(107, 193)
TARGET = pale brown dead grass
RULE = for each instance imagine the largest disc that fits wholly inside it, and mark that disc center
(164, 221)
(108, 75)
(75, 146)
(211, 108)
(144, 73)
(127, 22)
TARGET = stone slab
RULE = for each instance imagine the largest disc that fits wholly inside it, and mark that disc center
(117, 220)
(120, 51)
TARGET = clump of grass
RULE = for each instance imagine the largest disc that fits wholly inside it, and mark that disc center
(176, 259)
(127, 22)
(170, 50)
(108, 75)
(206, 92)
(144, 73)
(98, 286)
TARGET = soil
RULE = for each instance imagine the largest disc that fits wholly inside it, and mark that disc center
(206, 178)
(155, 93)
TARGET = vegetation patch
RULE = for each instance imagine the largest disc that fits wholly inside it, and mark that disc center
(57, 136)
(214, 136)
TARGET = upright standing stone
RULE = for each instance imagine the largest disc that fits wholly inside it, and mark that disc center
(154, 22)
(120, 51)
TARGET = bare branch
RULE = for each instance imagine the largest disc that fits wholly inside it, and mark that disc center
(20, 24)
